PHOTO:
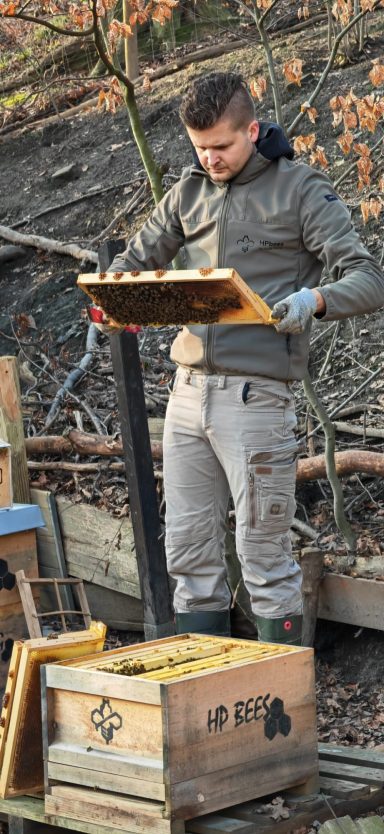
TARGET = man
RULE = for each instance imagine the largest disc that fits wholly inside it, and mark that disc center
(230, 424)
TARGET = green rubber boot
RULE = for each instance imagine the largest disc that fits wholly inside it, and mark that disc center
(204, 622)
(281, 630)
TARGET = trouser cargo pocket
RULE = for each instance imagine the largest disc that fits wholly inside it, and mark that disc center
(271, 501)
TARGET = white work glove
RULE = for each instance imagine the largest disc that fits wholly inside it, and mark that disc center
(294, 311)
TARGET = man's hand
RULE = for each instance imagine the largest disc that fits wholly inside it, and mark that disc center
(295, 311)
(106, 325)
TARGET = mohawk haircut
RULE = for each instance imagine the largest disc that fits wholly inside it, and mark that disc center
(216, 95)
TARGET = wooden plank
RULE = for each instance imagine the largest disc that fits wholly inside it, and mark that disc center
(351, 755)
(29, 606)
(31, 808)
(257, 777)
(98, 548)
(348, 600)
(102, 684)
(132, 767)
(343, 789)
(11, 426)
(121, 611)
(6, 496)
(83, 720)
(353, 773)
(126, 814)
(8, 696)
(102, 780)
(50, 549)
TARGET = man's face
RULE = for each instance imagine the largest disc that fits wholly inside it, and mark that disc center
(223, 150)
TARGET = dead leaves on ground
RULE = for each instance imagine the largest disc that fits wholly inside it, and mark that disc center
(348, 713)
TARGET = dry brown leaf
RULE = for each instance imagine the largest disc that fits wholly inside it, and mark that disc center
(377, 73)
(258, 87)
(293, 71)
(318, 156)
(302, 144)
(345, 142)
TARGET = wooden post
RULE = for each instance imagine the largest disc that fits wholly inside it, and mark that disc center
(310, 560)
(11, 427)
(150, 553)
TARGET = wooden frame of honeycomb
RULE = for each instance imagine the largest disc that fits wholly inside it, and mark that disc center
(191, 296)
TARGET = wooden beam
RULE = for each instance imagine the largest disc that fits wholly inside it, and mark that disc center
(150, 553)
(11, 427)
(345, 599)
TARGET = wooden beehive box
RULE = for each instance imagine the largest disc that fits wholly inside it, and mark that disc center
(21, 754)
(5, 475)
(185, 296)
(177, 728)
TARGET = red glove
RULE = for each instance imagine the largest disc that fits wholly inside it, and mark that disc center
(106, 324)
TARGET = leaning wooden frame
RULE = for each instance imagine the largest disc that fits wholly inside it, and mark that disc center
(186, 296)
(21, 755)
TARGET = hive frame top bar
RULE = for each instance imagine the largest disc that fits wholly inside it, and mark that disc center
(164, 275)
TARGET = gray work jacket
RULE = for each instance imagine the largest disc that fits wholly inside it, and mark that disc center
(278, 224)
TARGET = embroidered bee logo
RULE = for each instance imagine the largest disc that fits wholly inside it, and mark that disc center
(245, 243)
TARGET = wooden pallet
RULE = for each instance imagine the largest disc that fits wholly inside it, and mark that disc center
(185, 296)
(355, 787)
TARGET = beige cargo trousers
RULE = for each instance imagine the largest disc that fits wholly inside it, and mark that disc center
(231, 434)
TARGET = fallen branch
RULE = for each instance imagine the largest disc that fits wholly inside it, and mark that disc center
(68, 466)
(349, 428)
(48, 245)
(309, 469)
(347, 463)
(83, 444)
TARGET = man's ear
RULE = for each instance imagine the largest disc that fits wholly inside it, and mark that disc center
(253, 130)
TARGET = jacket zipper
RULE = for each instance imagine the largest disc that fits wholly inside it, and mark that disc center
(220, 252)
